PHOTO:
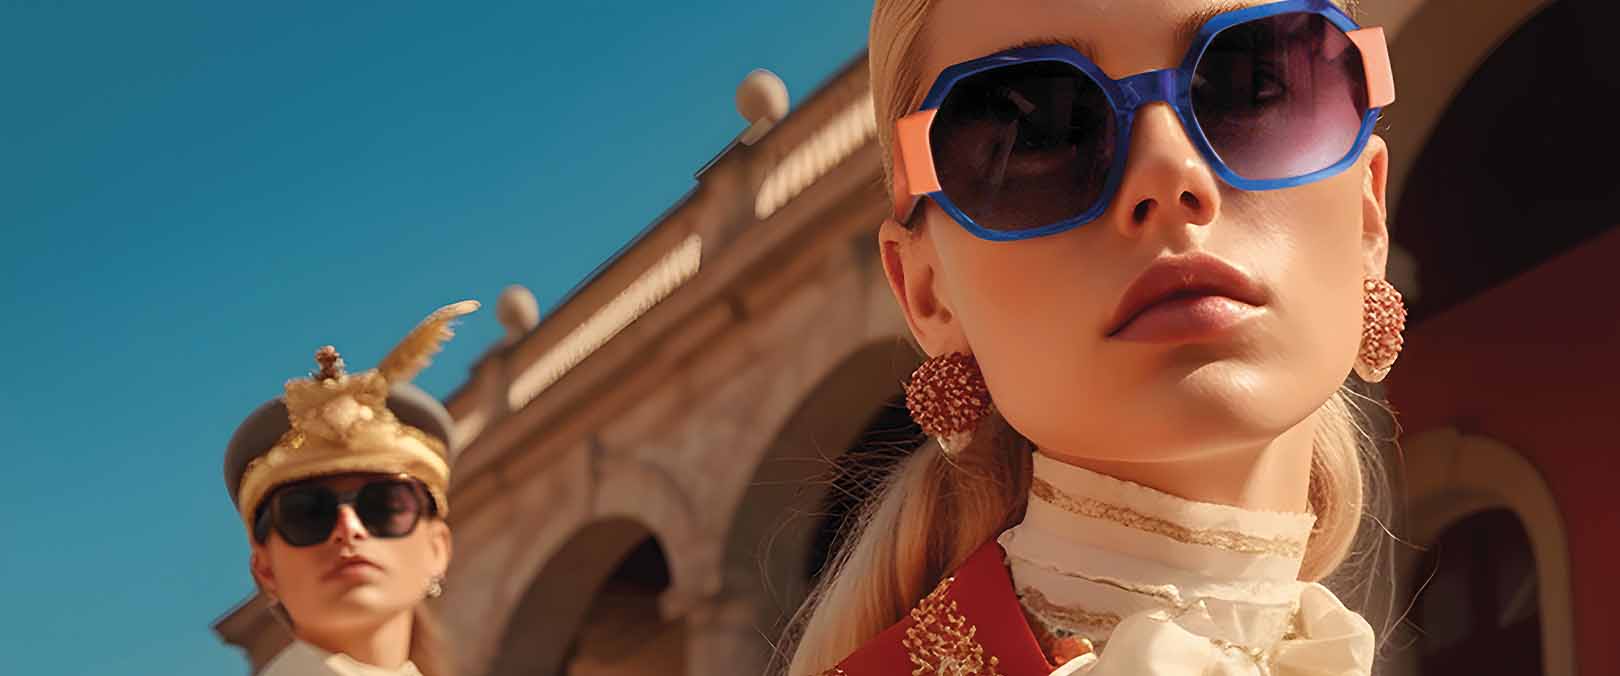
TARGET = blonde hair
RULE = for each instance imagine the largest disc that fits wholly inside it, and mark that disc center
(934, 511)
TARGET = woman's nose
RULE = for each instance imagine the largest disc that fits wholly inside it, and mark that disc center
(348, 527)
(1166, 180)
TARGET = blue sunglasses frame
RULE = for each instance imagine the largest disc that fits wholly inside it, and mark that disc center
(1126, 96)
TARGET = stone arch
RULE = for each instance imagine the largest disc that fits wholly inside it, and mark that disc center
(545, 619)
(645, 492)
(1497, 156)
(555, 579)
(1451, 476)
(1429, 77)
(766, 545)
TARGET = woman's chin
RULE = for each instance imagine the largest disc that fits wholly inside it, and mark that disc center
(363, 605)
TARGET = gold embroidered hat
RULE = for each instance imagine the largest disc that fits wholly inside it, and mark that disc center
(338, 423)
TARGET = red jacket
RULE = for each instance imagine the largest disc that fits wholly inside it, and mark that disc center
(972, 621)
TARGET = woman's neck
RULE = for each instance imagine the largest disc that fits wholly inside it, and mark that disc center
(1273, 476)
(386, 645)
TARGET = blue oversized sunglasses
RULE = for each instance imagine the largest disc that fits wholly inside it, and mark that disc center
(1033, 141)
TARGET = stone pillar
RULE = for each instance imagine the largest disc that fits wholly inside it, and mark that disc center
(722, 637)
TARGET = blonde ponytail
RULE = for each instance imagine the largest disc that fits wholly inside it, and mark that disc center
(1337, 492)
(932, 513)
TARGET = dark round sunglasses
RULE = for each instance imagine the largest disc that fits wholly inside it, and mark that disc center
(305, 513)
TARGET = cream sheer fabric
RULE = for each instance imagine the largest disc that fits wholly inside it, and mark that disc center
(1163, 586)
(303, 659)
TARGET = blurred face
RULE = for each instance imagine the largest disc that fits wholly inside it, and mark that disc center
(1190, 317)
(351, 578)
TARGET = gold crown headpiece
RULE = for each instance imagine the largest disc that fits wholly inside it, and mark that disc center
(340, 423)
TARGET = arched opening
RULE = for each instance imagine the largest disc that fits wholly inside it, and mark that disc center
(593, 595)
(1518, 168)
(622, 633)
(856, 477)
(1479, 612)
(1490, 564)
(781, 529)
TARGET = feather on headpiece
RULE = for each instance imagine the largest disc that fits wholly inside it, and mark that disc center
(416, 351)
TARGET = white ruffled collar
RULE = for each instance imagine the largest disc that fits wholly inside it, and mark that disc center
(1071, 507)
(1118, 564)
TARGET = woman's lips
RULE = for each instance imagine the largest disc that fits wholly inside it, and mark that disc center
(1186, 298)
(354, 568)
(1186, 319)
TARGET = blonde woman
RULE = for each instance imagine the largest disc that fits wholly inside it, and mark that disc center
(341, 484)
(1143, 246)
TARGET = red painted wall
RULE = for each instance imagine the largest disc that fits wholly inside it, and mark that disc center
(1535, 363)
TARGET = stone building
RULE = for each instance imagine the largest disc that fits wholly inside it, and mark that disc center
(653, 474)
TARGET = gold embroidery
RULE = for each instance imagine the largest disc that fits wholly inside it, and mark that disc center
(1059, 644)
(941, 642)
(835, 671)
(1229, 540)
(1072, 620)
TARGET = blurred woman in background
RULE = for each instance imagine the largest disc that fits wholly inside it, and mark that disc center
(341, 484)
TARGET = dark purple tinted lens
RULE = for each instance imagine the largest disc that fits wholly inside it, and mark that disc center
(304, 515)
(1023, 146)
(389, 509)
(1280, 97)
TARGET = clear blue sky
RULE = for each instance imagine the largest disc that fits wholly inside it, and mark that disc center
(195, 196)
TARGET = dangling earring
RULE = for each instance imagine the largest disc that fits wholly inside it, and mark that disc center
(1383, 320)
(948, 398)
(435, 587)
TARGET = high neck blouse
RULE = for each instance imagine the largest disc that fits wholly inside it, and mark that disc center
(1150, 583)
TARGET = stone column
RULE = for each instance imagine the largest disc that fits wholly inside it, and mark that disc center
(722, 637)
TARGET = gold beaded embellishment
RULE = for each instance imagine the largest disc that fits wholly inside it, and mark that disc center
(948, 398)
(941, 642)
(1384, 319)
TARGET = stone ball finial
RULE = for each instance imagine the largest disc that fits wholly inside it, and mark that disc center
(517, 310)
(762, 97)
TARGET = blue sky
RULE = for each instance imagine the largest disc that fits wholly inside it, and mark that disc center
(195, 196)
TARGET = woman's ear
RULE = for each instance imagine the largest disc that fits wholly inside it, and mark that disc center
(442, 545)
(912, 266)
(263, 573)
(1374, 209)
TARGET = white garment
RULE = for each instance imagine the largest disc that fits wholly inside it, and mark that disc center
(303, 659)
(1164, 586)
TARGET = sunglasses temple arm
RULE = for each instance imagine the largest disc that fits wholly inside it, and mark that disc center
(913, 162)
(1375, 63)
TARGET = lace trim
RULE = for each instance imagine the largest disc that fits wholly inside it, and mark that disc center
(940, 641)
(1229, 540)
(1063, 619)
